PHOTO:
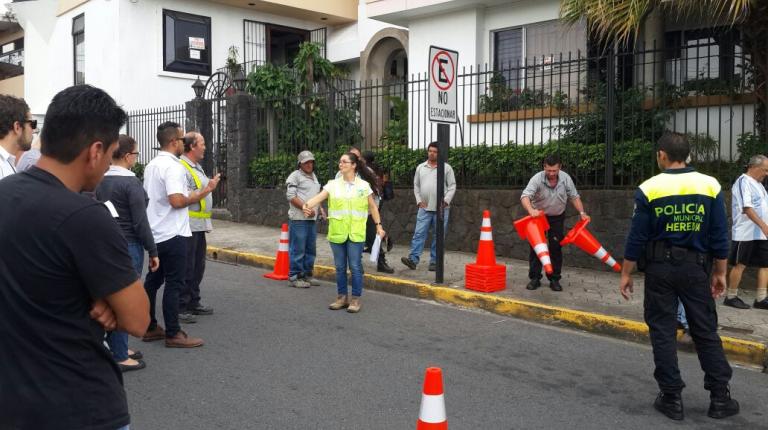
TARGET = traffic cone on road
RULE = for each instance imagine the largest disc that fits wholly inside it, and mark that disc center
(484, 274)
(583, 239)
(532, 230)
(432, 412)
(280, 271)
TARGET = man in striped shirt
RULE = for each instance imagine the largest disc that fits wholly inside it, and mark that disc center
(749, 247)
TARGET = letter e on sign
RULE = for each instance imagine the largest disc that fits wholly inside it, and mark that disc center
(443, 70)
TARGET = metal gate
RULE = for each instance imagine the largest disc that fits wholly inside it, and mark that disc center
(217, 156)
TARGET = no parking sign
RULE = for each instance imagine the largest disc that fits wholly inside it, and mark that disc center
(443, 69)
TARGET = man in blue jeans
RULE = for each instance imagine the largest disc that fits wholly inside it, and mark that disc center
(300, 186)
(425, 191)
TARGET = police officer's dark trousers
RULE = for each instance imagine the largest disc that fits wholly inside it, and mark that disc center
(554, 236)
(665, 282)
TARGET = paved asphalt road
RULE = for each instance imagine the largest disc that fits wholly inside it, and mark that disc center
(277, 358)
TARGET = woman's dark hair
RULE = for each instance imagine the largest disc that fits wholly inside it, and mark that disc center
(125, 145)
(365, 173)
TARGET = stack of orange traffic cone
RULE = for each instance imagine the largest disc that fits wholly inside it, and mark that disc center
(583, 239)
(485, 275)
(532, 230)
(432, 412)
(280, 271)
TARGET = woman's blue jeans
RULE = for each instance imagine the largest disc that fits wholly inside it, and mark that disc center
(118, 340)
(348, 254)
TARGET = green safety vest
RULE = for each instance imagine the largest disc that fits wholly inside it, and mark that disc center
(202, 213)
(347, 211)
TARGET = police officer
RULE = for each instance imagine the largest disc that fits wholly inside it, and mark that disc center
(679, 231)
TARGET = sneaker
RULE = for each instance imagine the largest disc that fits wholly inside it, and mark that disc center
(762, 304)
(735, 302)
(432, 267)
(312, 281)
(721, 405)
(554, 285)
(156, 333)
(354, 305)
(187, 318)
(533, 284)
(181, 340)
(670, 404)
(300, 283)
(408, 262)
(202, 310)
(340, 303)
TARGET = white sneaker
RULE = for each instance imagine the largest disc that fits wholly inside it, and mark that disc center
(299, 283)
(312, 281)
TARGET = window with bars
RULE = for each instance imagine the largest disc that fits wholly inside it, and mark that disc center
(704, 58)
(78, 48)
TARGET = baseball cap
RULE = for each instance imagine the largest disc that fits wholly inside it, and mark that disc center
(305, 156)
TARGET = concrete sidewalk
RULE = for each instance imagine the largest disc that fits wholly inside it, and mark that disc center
(590, 299)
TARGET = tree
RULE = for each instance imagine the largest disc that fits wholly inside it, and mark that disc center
(620, 21)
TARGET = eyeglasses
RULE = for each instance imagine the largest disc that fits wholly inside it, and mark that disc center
(133, 153)
(32, 123)
(344, 162)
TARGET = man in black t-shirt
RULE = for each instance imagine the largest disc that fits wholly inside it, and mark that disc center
(65, 277)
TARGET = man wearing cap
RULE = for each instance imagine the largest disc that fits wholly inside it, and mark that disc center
(302, 185)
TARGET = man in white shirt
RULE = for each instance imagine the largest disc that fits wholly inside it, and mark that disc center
(749, 246)
(16, 129)
(165, 181)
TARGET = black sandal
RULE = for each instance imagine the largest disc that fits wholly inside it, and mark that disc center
(137, 355)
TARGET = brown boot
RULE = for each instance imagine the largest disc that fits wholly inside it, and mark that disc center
(181, 340)
(156, 333)
(340, 303)
(354, 305)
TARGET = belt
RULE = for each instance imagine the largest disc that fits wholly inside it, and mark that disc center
(662, 252)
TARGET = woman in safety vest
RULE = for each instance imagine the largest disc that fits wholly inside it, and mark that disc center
(350, 198)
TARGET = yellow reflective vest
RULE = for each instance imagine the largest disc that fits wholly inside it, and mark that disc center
(203, 212)
(347, 210)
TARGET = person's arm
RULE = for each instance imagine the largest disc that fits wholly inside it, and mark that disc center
(752, 215)
(101, 260)
(138, 208)
(638, 236)
(310, 205)
(450, 186)
(374, 210)
(574, 197)
(718, 242)
(579, 206)
(179, 200)
(417, 188)
(526, 202)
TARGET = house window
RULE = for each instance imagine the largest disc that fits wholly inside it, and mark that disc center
(186, 43)
(508, 55)
(78, 48)
(702, 57)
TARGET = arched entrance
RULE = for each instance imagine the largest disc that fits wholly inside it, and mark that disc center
(385, 75)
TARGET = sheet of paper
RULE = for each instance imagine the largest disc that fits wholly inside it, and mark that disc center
(375, 249)
(112, 209)
(194, 54)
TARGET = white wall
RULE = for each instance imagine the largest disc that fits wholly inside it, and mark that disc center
(346, 42)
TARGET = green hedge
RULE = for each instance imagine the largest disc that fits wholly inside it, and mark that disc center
(484, 166)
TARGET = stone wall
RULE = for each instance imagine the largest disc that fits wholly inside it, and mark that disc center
(611, 212)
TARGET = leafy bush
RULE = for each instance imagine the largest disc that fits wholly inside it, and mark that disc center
(396, 130)
(481, 166)
(138, 169)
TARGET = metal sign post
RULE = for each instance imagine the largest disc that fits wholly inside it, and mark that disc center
(443, 69)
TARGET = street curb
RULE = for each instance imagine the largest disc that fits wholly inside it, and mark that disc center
(744, 351)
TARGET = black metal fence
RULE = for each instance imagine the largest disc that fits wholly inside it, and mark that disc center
(142, 126)
(600, 111)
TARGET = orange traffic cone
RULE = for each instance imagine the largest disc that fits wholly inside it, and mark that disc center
(532, 230)
(583, 239)
(432, 412)
(484, 274)
(280, 272)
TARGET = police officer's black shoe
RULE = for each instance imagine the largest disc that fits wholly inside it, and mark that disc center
(534, 284)
(670, 404)
(554, 285)
(721, 405)
(762, 304)
(735, 302)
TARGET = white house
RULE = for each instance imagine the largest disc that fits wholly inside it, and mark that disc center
(522, 41)
(147, 53)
